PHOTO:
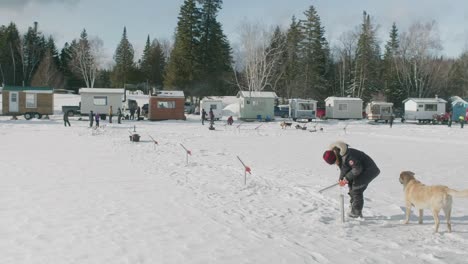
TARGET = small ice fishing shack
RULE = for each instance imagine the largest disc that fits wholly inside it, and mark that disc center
(28, 101)
(423, 109)
(343, 108)
(256, 105)
(166, 105)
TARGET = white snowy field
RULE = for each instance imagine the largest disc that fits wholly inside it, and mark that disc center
(77, 195)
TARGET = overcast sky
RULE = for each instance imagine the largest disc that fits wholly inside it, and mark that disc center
(65, 19)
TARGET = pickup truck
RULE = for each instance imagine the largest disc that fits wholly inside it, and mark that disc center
(72, 110)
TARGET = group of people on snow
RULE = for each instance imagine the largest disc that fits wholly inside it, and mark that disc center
(95, 117)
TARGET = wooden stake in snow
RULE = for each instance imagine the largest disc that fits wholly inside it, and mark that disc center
(155, 142)
(187, 152)
(246, 170)
(258, 126)
(342, 208)
(238, 126)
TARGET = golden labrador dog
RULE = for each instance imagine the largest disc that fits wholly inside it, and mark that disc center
(435, 197)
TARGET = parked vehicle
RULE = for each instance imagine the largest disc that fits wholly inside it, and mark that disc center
(282, 111)
(144, 109)
(377, 111)
(302, 109)
(71, 110)
(188, 107)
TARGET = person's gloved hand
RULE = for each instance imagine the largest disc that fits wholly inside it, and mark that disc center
(342, 182)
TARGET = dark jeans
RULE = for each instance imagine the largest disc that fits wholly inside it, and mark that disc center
(65, 122)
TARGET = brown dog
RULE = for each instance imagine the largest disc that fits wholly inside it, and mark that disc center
(435, 197)
(285, 125)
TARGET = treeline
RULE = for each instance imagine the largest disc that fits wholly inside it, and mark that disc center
(295, 62)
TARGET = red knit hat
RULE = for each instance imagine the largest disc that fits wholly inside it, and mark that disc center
(329, 157)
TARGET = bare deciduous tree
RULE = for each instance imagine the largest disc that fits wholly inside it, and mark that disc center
(344, 54)
(256, 59)
(419, 64)
(87, 57)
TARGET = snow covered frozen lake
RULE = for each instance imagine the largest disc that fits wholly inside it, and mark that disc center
(77, 195)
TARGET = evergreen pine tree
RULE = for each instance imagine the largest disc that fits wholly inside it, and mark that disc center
(32, 52)
(278, 42)
(153, 63)
(215, 52)
(10, 57)
(392, 87)
(183, 66)
(124, 61)
(366, 81)
(293, 69)
(145, 64)
(315, 56)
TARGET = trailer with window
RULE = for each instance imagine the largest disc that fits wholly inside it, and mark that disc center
(379, 111)
(99, 100)
(343, 108)
(166, 105)
(32, 102)
(423, 109)
(215, 105)
(302, 109)
(256, 105)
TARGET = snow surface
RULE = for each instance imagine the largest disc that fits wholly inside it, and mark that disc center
(78, 195)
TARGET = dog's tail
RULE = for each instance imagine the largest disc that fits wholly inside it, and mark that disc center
(455, 193)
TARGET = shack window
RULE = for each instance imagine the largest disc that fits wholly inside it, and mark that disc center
(386, 109)
(168, 104)
(430, 107)
(258, 105)
(342, 107)
(31, 100)
(213, 106)
(100, 100)
(376, 109)
(306, 106)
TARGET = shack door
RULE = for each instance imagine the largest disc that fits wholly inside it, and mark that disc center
(14, 102)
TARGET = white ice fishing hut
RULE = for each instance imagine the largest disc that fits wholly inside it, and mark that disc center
(423, 108)
(343, 108)
(99, 100)
(215, 104)
(256, 105)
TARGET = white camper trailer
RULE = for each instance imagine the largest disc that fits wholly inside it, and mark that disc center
(302, 109)
(99, 100)
(423, 109)
(215, 105)
(379, 110)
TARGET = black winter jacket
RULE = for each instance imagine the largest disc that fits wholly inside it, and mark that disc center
(357, 167)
